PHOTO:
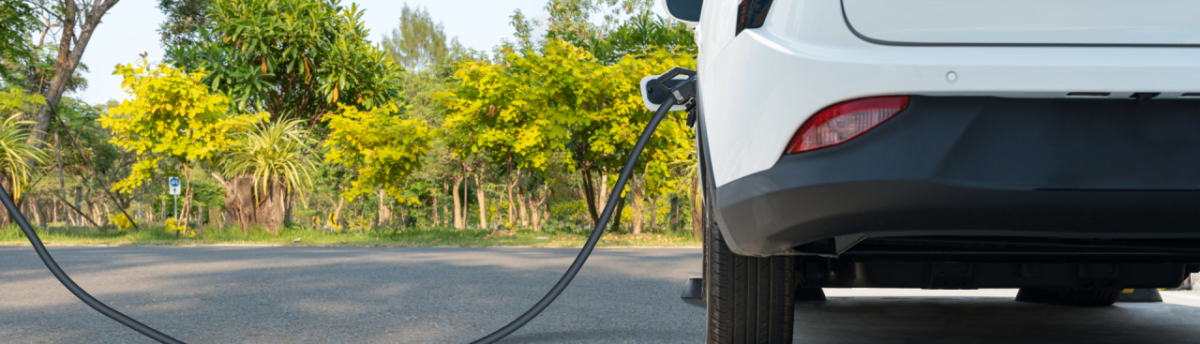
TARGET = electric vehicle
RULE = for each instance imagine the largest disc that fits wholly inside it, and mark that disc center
(1051, 146)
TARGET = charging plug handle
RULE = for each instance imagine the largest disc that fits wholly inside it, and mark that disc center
(682, 90)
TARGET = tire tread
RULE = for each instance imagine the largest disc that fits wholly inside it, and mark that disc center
(749, 299)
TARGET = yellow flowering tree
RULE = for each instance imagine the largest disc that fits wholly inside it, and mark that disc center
(380, 145)
(169, 118)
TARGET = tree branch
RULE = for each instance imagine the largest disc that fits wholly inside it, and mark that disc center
(68, 203)
(96, 174)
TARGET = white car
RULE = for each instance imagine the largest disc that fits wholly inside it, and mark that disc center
(1051, 146)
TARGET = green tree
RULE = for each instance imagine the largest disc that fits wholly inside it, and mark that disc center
(573, 21)
(643, 33)
(183, 22)
(17, 21)
(15, 152)
(273, 155)
(75, 21)
(290, 58)
(380, 145)
(419, 42)
(171, 117)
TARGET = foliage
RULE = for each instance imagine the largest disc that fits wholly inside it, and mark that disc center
(419, 42)
(524, 108)
(272, 152)
(17, 21)
(535, 126)
(120, 220)
(183, 22)
(560, 102)
(290, 58)
(380, 145)
(288, 235)
(173, 226)
(641, 35)
(671, 142)
(14, 101)
(171, 114)
(571, 20)
(16, 154)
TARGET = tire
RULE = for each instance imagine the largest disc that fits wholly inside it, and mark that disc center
(749, 299)
(1071, 297)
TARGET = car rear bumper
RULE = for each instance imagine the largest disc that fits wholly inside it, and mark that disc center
(981, 166)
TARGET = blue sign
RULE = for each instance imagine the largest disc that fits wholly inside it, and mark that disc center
(173, 182)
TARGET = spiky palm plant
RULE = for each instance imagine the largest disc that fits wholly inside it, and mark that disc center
(272, 152)
(16, 154)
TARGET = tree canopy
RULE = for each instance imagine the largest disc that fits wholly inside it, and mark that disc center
(290, 58)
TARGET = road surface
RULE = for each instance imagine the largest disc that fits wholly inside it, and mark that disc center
(234, 294)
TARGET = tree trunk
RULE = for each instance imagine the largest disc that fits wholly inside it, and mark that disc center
(604, 191)
(62, 183)
(106, 212)
(589, 190)
(187, 199)
(247, 205)
(535, 207)
(638, 203)
(70, 52)
(512, 209)
(616, 216)
(674, 212)
(459, 221)
(96, 214)
(383, 214)
(335, 222)
(522, 211)
(288, 201)
(653, 212)
(535, 216)
(6, 182)
(437, 221)
(403, 218)
(479, 194)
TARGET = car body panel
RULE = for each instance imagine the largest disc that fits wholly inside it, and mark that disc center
(762, 84)
(971, 166)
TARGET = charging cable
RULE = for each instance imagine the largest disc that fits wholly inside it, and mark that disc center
(680, 93)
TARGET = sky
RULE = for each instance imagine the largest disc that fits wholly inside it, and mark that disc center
(130, 28)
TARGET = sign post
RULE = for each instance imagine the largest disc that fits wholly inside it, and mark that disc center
(173, 186)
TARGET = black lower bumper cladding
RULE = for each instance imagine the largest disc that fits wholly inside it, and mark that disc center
(1067, 168)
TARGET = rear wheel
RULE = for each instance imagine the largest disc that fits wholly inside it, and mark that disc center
(749, 299)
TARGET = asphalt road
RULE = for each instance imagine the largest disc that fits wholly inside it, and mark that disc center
(454, 295)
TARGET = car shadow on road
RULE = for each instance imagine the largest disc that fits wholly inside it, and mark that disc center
(984, 320)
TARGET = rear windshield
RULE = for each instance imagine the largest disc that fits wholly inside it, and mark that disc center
(1156, 22)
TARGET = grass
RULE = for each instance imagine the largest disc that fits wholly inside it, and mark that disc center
(293, 236)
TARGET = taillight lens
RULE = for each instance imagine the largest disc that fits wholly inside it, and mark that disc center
(751, 14)
(842, 122)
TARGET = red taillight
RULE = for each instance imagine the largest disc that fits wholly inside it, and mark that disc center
(751, 14)
(842, 122)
